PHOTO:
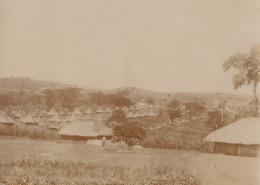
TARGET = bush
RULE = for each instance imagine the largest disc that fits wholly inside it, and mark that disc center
(130, 133)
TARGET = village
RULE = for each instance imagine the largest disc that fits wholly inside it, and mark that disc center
(129, 92)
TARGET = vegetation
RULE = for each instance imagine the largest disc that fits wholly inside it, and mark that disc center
(174, 113)
(30, 132)
(130, 133)
(114, 99)
(248, 71)
(42, 171)
(150, 101)
(182, 138)
(118, 116)
(194, 108)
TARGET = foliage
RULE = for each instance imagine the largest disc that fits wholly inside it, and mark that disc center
(30, 132)
(118, 99)
(117, 116)
(68, 97)
(194, 108)
(44, 172)
(174, 103)
(247, 66)
(131, 133)
(178, 138)
(244, 112)
(174, 113)
(214, 119)
(50, 98)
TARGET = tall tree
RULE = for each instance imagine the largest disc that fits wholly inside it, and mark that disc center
(174, 113)
(248, 70)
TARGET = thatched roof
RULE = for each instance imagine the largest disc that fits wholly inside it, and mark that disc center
(28, 119)
(55, 119)
(4, 118)
(99, 110)
(88, 128)
(52, 112)
(245, 131)
(89, 111)
(71, 118)
(77, 111)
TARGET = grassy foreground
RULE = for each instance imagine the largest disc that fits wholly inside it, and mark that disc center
(43, 171)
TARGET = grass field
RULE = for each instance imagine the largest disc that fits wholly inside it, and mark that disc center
(211, 169)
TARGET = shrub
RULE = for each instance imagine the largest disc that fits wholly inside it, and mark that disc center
(131, 133)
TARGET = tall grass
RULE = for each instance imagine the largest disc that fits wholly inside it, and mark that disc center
(30, 132)
(186, 136)
(40, 171)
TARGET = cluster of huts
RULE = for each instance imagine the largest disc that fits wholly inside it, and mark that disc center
(79, 125)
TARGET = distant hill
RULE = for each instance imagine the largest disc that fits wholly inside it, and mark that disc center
(15, 83)
(211, 100)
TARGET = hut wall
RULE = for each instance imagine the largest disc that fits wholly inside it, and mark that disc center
(220, 147)
(82, 138)
(237, 149)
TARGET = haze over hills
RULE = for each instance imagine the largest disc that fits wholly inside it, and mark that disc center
(137, 94)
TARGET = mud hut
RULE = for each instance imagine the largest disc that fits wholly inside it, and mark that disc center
(83, 130)
(28, 120)
(5, 119)
(239, 138)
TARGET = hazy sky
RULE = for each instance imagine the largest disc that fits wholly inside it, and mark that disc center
(162, 45)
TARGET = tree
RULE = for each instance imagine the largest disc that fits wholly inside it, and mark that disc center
(214, 119)
(248, 70)
(68, 97)
(194, 108)
(174, 113)
(131, 133)
(50, 98)
(117, 116)
(174, 103)
(120, 101)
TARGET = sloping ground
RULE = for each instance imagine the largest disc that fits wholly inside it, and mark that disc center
(212, 169)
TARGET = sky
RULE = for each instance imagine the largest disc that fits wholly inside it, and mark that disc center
(160, 45)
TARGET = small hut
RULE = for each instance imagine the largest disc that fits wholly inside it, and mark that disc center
(28, 120)
(5, 119)
(239, 138)
(85, 130)
(51, 113)
(55, 119)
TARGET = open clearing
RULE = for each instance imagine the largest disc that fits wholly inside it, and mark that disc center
(212, 169)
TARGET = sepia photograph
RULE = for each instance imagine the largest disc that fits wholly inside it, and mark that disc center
(129, 92)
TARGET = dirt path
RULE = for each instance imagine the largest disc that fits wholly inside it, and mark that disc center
(212, 169)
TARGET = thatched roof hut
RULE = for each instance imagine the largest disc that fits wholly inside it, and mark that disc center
(5, 119)
(239, 138)
(85, 130)
(77, 111)
(55, 119)
(52, 112)
(89, 111)
(28, 120)
(99, 110)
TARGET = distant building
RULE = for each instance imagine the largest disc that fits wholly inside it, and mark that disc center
(239, 138)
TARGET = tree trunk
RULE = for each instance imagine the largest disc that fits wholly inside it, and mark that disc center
(256, 100)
